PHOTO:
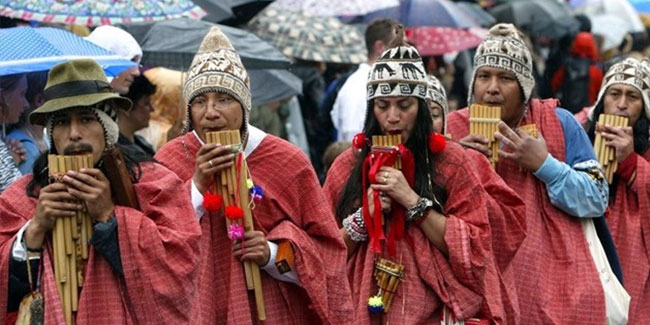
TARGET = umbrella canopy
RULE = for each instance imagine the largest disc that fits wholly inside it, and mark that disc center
(619, 8)
(440, 40)
(232, 12)
(312, 38)
(335, 7)
(641, 5)
(412, 13)
(476, 11)
(98, 12)
(173, 44)
(270, 85)
(538, 17)
(610, 28)
(27, 49)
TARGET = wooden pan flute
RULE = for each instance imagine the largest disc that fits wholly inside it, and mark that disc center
(386, 143)
(606, 154)
(70, 238)
(484, 120)
(531, 129)
(388, 274)
(226, 184)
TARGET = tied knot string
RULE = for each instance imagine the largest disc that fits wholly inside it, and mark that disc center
(370, 170)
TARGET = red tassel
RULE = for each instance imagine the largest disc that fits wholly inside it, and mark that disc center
(234, 212)
(212, 202)
(437, 143)
(359, 141)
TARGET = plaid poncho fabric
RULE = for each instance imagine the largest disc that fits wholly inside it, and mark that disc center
(557, 282)
(293, 208)
(158, 247)
(627, 218)
(466, 281)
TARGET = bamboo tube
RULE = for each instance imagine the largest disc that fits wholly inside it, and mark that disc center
(484, 121)
(226, 185)
(607, 154)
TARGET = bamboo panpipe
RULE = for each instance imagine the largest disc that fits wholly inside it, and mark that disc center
(388, 275)
(387, 143)
(484, 120)
(606, 154)
(531, 129)
(70, 238)
(226, 184)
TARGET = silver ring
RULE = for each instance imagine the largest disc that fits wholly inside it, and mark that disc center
(386, 175)
(210, 161)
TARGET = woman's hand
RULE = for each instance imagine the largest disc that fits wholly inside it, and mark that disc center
(392, 182)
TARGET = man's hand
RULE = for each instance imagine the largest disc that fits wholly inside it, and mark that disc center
(527, 151)
(621, 138)
(18, 152)
(93, 188)
(54, 201)
(255, 248)
(210, 160)
(478, 143)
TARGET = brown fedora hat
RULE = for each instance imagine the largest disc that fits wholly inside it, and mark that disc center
(73, 84)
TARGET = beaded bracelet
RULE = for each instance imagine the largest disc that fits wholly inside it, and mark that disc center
(355, 227)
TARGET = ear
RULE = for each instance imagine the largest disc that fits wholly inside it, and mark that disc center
(378, 48)
(39, 100)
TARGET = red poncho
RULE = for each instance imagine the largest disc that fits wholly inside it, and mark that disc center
(556, 278)
(159, 248)
(628, 220)
(293, 208)
(466, 281)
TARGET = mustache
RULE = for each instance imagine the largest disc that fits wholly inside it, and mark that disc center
(77, 147)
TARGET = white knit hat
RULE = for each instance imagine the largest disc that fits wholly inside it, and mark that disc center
(629, 72)
(504, 48)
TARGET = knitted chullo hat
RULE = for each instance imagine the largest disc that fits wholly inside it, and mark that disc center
(504, 48)
(398, 72)
(80, 83)
(629, 72)
(217, 68)
(436, 93)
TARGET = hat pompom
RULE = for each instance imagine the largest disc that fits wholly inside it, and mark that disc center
(359, 141)
(437, 143)
(215, 40)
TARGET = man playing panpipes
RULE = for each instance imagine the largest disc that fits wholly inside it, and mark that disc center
(141, 262)
(292, 207)
(557, 278)
(625, 92)
(506, 209)
(433, 219)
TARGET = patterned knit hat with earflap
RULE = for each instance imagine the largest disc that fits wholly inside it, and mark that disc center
(398, 72)
(504, 48)
(629, 72)
(217, 68)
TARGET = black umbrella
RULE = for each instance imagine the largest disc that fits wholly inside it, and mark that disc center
(538, 17)
(173, 43)
(270, 85)
(231, 12)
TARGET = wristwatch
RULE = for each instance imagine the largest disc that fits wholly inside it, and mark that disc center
(419, 209)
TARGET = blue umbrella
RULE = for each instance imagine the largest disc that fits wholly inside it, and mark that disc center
(413, 13)
(642, 6)
(27, 49)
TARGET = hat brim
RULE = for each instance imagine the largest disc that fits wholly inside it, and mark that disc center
(40, 115)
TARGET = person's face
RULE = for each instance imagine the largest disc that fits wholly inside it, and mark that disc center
(78, 131)
(13, 102)
(140, 114)
(396, 115)
(498, 87)
(623, 100)
(437, 116)
(215, 112)
(123, 81)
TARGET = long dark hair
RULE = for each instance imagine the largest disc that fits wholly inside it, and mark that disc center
(132, 158)
(640, 134)
(424, 161)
